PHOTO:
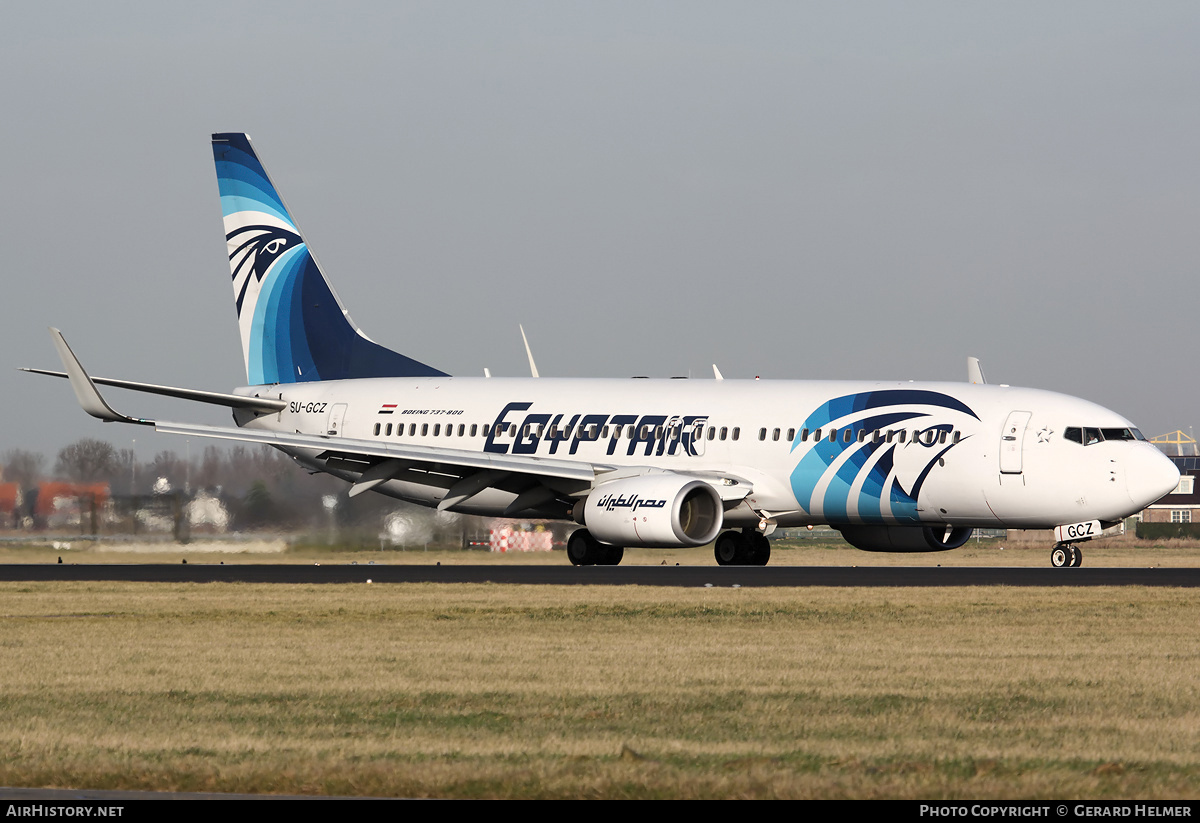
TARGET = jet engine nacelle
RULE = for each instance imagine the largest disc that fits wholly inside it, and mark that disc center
(663, 511)
(905, 538)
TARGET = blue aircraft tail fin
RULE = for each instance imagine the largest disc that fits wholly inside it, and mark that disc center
(294, 328)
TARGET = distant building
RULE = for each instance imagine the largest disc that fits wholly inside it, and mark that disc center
(1176, 444)
(1183, 504)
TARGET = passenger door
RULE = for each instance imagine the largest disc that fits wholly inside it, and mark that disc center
(1012, 441)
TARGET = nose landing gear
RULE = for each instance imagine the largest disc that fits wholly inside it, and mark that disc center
(1066, 555)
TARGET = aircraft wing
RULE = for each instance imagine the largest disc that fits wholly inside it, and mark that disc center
(346, 448)
(463, 473)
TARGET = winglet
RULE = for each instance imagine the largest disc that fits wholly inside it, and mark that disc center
(85, 390)
(975, 371)
(529, 353)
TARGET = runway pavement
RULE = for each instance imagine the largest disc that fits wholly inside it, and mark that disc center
(682, 576)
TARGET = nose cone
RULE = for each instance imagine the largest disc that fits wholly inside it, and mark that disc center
(1150, 474)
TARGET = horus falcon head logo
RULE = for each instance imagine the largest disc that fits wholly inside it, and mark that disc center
(252, 252)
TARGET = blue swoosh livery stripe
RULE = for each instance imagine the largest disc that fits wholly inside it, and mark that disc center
(839, 466)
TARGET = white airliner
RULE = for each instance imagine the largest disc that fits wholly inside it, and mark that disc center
(894, 466)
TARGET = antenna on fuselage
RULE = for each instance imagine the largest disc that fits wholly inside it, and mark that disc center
(975, 371)
(532, 366)
(487, 372)
(717, 373)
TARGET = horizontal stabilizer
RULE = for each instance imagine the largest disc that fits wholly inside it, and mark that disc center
(265, 405)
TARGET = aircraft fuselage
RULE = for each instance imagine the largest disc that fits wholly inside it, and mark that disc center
(895, 453)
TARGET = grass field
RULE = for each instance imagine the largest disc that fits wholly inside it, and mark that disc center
(511, 691)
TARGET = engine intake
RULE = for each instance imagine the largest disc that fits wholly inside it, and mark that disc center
(663, 511)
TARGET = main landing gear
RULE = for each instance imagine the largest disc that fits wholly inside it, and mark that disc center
(745, 548)
(585, 550)
(1066, 555)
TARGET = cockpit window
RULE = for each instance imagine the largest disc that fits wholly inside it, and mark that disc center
(1088, 436)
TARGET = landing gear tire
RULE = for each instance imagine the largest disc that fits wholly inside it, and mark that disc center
(731, 549)
(585, 550)
(582, 548)
(1061, 556)
(1076, 557)
(610, 555)
(760, 549)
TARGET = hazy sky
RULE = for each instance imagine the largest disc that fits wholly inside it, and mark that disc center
(860, 190)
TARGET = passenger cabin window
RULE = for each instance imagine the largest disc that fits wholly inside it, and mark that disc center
(388, 433)
(774, 434)
(791, 435)
(762, 434)
(737, 432)
(376, 429)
